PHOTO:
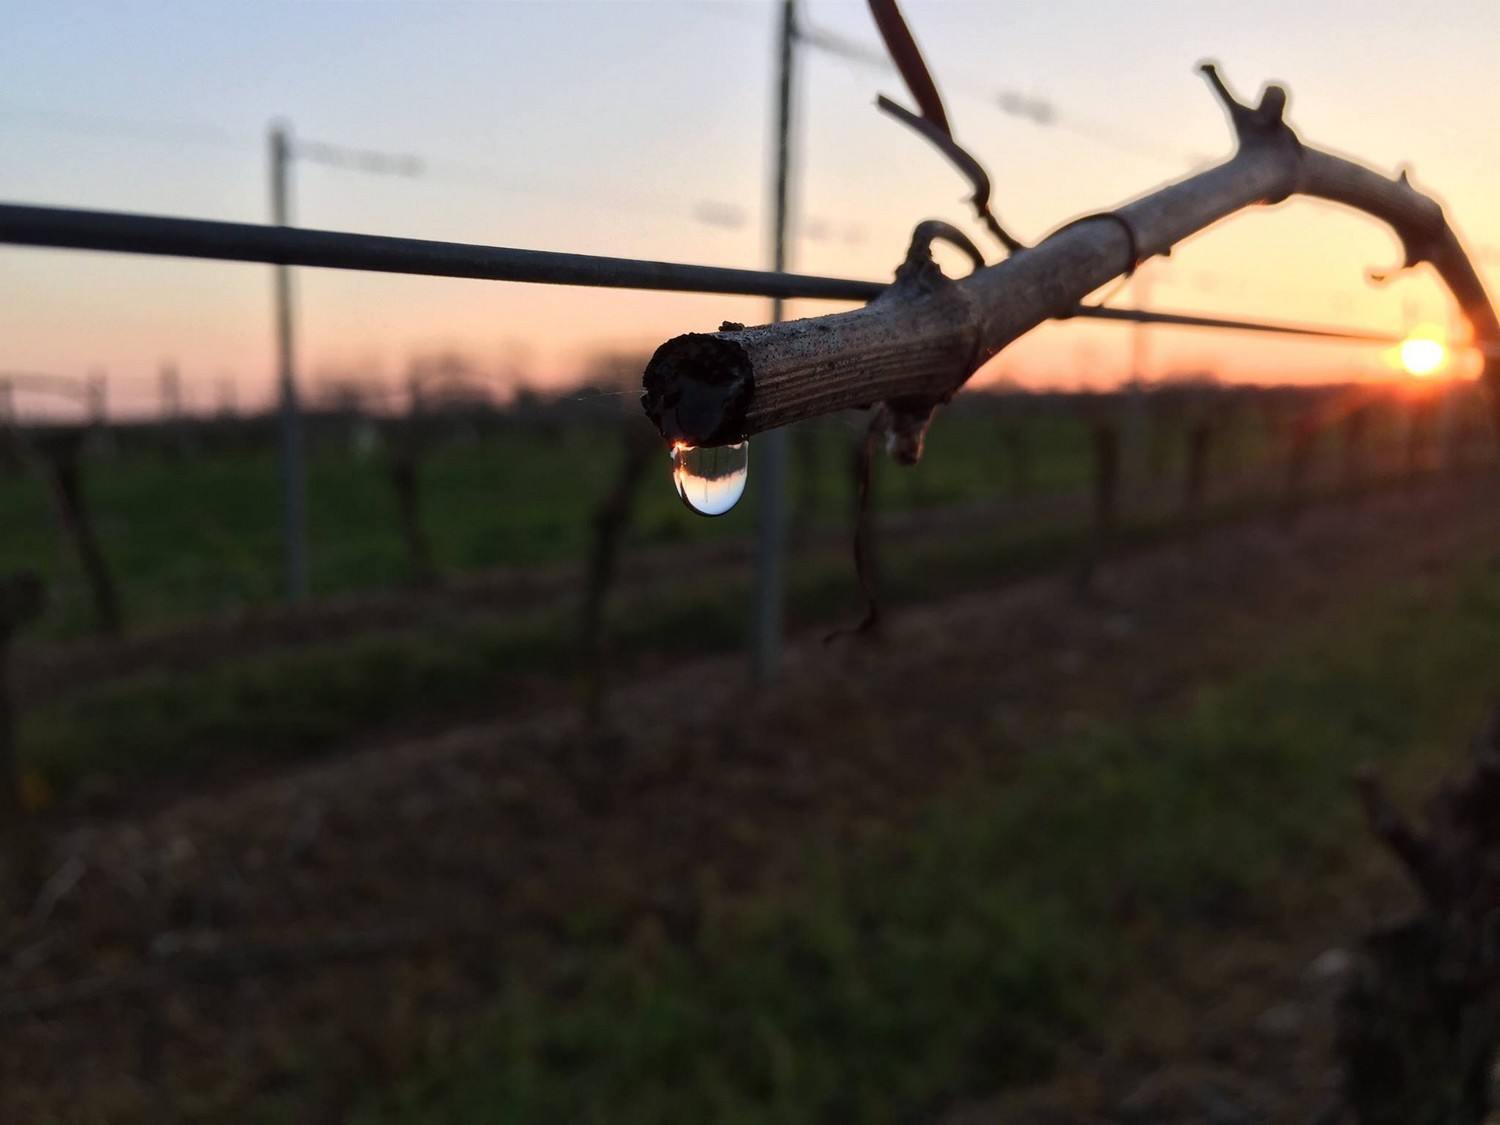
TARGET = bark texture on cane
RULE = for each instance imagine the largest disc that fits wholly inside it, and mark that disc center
(917, 343)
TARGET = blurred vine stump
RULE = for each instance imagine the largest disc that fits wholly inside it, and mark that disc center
(1421, 424)
(611, 521)
(1164, 412)
(1449, 436)
(22, 597)
(1419, 1023)
(56, 457)
(1015, 442)
(1104, 440)
(404, 448)
(1302, 444)
(807, 444)
(12, 464)
(1354, 441)
(1199, 439)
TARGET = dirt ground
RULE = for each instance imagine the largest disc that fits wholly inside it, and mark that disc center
(181, 957)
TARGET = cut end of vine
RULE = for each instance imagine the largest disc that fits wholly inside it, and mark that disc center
(697, 388)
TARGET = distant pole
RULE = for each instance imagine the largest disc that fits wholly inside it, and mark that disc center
(170, 387)
(98, 397)
(1136, 414)
(772, 449)
(1142, 287)
(173, 439)
(293, 484)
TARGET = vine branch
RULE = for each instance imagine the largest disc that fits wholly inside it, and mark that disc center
(918, 342)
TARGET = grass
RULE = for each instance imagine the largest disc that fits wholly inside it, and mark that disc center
(301, 702)
(956, 959)
(201, 534)
(298, 702)
(277, 705)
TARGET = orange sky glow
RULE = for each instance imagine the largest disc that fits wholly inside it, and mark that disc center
(614, 128)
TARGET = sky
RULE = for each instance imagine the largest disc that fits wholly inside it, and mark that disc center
(620, 127)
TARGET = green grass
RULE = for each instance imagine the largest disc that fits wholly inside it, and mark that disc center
(280, 704)
(300, 702)
(956, 959)
(201, 534)
(297, 702)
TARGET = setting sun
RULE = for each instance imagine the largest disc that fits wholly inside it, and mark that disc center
(1422, 355)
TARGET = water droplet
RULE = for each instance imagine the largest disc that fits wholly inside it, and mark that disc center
(712, 479)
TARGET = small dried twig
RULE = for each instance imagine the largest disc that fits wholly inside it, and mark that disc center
(864, 525)
(932, 123)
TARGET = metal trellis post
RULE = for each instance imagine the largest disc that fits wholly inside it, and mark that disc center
(771, 454)
(293, 484)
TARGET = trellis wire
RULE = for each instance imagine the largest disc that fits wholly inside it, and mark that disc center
(159, 235)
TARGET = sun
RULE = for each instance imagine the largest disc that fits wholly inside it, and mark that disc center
(1423, 353)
